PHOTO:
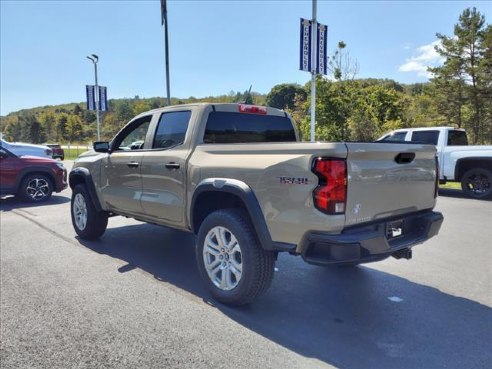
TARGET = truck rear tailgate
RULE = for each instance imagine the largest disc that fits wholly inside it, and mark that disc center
(386, 180)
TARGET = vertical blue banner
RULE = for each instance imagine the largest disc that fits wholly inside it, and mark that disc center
(90, 97)
(305, 45)
(103, 98)
(321, 58)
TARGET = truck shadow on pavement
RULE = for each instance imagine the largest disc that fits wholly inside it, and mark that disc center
(458, 194)
(350, 318)
(9, 203)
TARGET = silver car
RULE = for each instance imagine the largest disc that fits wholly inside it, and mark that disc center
(23, 149)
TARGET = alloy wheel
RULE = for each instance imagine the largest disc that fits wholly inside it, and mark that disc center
(222, 258)
(80, 211)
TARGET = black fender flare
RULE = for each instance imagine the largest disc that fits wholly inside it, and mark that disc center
(247, 196)
(83, 173)
(480, 162)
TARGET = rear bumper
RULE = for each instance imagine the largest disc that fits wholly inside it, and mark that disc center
(366, 243)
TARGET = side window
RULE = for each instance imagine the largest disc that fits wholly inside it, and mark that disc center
(457, 138)
(133, 136)
(398, 136)
(171, 129)
(428, 137)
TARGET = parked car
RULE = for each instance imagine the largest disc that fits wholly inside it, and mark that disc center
(30, 177)
(58, 152)
(471, 165)
(20, 149)
(237, 176)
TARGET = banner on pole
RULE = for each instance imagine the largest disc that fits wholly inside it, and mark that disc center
(321, 57)
(90, 97)
(305, 45)
(103, 98)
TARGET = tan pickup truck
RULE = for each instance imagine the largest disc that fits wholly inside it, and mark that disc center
(237, 176)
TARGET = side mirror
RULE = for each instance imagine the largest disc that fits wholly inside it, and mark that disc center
(101, 146)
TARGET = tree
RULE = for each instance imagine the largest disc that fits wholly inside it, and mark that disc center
(124, 111)
(48, 122)
(362, 126)
(11, 128)
(341, 65)
(89, 116)
(459, 81)
(74, 128)
(141, 106)
(61, 123)
(30, 129)
(77, 110)
(283, 96)
(485, 81)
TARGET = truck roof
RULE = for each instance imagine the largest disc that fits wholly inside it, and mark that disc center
(218, 106)
(428, 128)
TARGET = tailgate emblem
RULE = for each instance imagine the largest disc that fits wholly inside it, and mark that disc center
(356, 209)
(293, 180)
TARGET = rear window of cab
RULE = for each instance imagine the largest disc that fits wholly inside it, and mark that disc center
(228, 127)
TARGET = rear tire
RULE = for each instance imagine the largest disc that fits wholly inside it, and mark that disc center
(89, 223)
(36, 188)
(232, 263)
(477, 183)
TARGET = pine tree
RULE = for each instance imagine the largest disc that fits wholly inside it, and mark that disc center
(459, 80)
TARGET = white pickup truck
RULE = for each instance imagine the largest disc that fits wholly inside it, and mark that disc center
(458, 161)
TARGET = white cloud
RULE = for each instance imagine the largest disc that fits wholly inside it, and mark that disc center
(426, 56)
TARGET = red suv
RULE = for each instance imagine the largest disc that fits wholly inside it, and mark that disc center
(30, 177)
(58, 152)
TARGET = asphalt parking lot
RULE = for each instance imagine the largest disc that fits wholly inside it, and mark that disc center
(134, 299)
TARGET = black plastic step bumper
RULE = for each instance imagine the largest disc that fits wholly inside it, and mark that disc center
(371, 242)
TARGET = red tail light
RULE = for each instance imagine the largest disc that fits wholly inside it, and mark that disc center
(252, 109)
(331, 194)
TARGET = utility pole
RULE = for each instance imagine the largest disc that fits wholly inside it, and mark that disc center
(313, 72)
(94, 58)
(166, 46)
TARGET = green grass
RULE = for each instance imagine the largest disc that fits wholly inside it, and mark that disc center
(451, 186)
(73, 152)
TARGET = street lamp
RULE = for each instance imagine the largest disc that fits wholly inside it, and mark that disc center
(94, 58)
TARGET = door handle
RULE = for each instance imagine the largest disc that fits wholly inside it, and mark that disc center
(172, 165)
(133, 164)
(405, 157)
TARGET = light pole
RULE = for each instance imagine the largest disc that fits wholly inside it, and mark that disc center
(313, 75)
(166, 46)
(94, 58)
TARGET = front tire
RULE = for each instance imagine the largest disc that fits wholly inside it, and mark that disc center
(36, 188)
(89, 223)
(232, 263)
(477, 183)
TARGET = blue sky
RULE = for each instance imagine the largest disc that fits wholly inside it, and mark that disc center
(215, 46)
